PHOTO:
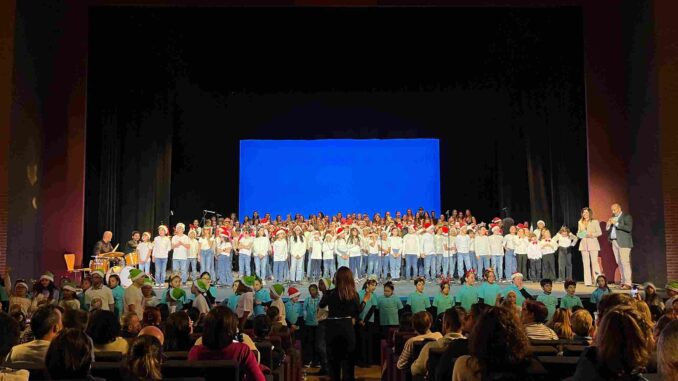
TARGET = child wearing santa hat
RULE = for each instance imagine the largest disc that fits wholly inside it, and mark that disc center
(328, 256)
(520, 243)
(395, 242)
(279, 256)
(497, 251)
(161, 247)
(449, 257)
(428, 251)
(293, 311)
(463, 244)
(297, 250)
(482, 246)
(341, 248)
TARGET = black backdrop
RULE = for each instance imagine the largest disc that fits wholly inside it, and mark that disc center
(172, 91)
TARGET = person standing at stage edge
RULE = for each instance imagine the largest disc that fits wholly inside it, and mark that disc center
(589, 231)
(619, 228)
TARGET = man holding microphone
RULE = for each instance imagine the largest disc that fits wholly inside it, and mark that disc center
(619, 228)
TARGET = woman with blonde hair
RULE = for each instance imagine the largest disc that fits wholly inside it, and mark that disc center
(144, 359)
(667, 352)
(588, 230)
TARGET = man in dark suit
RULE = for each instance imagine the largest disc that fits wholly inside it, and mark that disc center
(619, 228)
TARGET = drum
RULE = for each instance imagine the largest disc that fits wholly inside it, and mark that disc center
(99, 264)
(123, 273)
(132, 259)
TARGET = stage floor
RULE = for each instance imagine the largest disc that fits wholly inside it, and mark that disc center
(405, 287)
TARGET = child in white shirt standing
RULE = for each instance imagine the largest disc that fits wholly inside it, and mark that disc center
(384, 251)
(161, 247)
(395, 242)
(482, 246)
(510, 255)
(520, 243)
(261, 247)
(565, 240)
(439, 252)
(279, 256)
(548, 257)
(463, 244)
(328, 256)
(193, 251)
(341, 249)
(315, 246)
(534, 256)
(497, 251)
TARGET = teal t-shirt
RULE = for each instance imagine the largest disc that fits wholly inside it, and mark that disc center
(418, 302)
(373, 302)
(443, 302)
(388, 310)
(263, 296)
(233, 301)
(467, 296)
(550, 302)
(118, 296)
(598, 294)
(489, 293)
(520, 299)
(292, 311)
(568, 301)
(311, 311)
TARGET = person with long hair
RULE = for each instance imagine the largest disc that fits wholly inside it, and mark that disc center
(667, 352)
(178, 330)
(344, 306)
(354, 246)
(69, 356)
(144, 359)
(588, 230)
(104, 329)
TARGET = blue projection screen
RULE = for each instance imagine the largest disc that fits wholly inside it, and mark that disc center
(338, 175)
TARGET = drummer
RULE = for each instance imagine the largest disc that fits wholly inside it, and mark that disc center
(133, 243)
(104, 246)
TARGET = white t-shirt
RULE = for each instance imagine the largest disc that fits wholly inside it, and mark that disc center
(133, 295)
(316, 248)
(279, 250)
(372, 246)
(261, 245)
(496, 244)
(144, 249)
(548, 246)
(201, 304)
(225, 248)
(328, 250)
(297, 247)
(245, 240)
(510, 241)
(533, 250)
(411, 244)
(463, 243)
(353, 247)
(520, 244)
(396, 244)
(340, 247)
(206, 243)
(427, 242)
(180, 252)
(195, 248)
(482, 245)
(103, 294)
(161, 247)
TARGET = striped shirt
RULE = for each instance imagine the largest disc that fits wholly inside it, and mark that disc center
(538, 331)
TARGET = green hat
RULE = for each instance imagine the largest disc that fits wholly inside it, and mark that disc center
(135, 274)
(278, 289)
(672, 285)
(48, 275)
(147, 282)
(70, 286)
(98, 272)
(249, 280)
(201, 285)
(177, 294)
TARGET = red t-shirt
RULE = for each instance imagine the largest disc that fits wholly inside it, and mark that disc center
(238, 352)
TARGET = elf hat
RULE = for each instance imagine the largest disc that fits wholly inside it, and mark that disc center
(47, 275)
(177, 294)
(278, 289)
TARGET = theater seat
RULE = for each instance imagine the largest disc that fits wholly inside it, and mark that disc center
(559, 367)
(176, 355)
(209, 370)
(106, 356)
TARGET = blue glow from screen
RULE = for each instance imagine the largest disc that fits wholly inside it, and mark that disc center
(338, 175)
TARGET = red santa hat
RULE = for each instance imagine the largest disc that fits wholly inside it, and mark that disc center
(293, 292)
(340, 231)
(280, 231)
(446, 230)
(223, 230)
(429, 226)
(520, 226)
(264, 221)
(496, 220)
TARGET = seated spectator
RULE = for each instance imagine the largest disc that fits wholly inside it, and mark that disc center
(104, 329)
(609, 301)
(70, 356)
(262, 328)
(155, 332)
(45, 324)
(245, 338)
(561, 325)
(533, 317)
(661, 323)
(667, 351)
(151, 317)
(453, 320)
(178, 330)
(9, 337)
(76, 319)
(622, 347)
(498, 347)
(459, 347)
(219, 331)
(278, 329)
(421, 321)
(131, 325)
(20, 319)
(582, 326)
(144, 358)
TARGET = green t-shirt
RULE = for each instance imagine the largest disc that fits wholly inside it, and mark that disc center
(489, 293)
(418, 302)
(550, 302)
(372, 302)
(568, 301)
(443, 302)
(388, 310)
(520, 299)
(598, 294)
(467, 296)
(293, 311)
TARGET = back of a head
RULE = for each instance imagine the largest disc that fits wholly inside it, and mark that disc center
(9, 334)
(622, 342)
(144, 358)
(262, 326)
(103, 327)
(76, 319)
(453, 319)
(219, 329)
(609, 301)
(178, 332)
(345, 284)
(151, 316)
(69, 355)
(153, 331)
(667, 351)
(498, 341)
(273, 313)
(581, 323)
(421, 322)
(405, 321)
(43, 320)
(537, 310)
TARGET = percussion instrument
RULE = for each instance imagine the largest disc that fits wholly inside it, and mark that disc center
(99, 264)
(113, 254)
(132, 259)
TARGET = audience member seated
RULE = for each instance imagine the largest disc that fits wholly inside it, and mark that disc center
(69, 356)
(582, 326)
(245, 338)
(459, 347)
(262, 328)
(561, 323)
(76, 319)
(45, 324)
(667, 351)
(131, 325)
(533, 317)
(104, 329)
(421, 321)
(277, 327)
(622, 347)
(219, 332)
(453, 319)
(144, 358)
(661, 324)
(9, 337)
(498, 348)
(155, 332)
(178, 330)
(609, 301)
(151, 317)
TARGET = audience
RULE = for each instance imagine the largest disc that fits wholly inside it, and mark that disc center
(560, 323)
(104, 329)
(153, 331)
(9, 337)
(421, 321)
(45, 325)
(76, 319)
(131, 325)
(582, 326)
(144, 358)
(178, 330)
(69, 356)
(533, 316)
(453, 320)
(151, 317)
(667, 352)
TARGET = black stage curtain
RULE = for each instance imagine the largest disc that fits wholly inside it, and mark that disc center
(501, 88)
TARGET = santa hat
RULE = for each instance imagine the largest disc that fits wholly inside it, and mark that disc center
(541, 222)
(47, 275)
(202, 285)
(264, 221)
(293, 292)
(446, 230)
(520, 226)
(429, 226)
(135, 274)
(146, 234)
(673, 286)
(340, 231)
(278, 289)
(516, 275)
(177, 294)
(496, 220)
(98, 272)
(163, 227)
(280, 231)
(70, 286)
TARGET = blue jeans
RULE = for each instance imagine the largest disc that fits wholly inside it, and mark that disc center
(193, 264)
(410, 266)
(474, 260)
(427, 266)
(279, 270)
(260, 265)
(395, 266)
(244, 261)
(207, 262)
(225, 269)
(436, 264)
(315, 268)
(373, 264)
(145, 267)
(269, 266)
(180, 266)
(341, 262)
(420, 267)
(354, 265)
(483, 263)
(446, 266)
(160, 269)
(328, 268)
(463, 260)
(511, 263)
(498, 265)
(384, 267)
(297, 269)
